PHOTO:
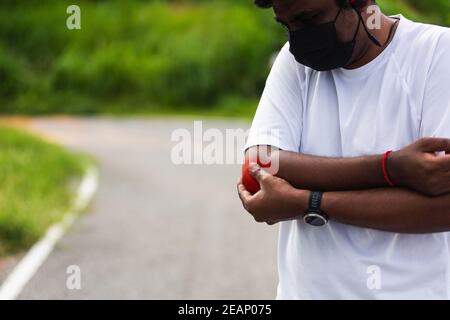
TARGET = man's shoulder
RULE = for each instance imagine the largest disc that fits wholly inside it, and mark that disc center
(419, 47)
(424, 37)
(286, 67)
(432, 47)
(285, 56)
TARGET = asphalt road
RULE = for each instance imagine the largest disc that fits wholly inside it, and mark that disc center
(156, 230)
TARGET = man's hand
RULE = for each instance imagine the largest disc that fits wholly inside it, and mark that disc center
(276, 201)
(418, 167)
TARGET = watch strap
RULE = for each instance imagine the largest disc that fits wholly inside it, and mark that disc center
(315, 201)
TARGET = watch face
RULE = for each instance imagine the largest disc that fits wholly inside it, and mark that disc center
(315, 219)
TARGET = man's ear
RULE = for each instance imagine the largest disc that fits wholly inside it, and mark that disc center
(355, 4)
(363, 4)
(359, 4)
(343, 3)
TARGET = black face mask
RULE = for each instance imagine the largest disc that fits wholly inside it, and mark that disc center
(318, 46)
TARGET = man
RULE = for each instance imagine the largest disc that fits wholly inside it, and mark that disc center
(356, 221)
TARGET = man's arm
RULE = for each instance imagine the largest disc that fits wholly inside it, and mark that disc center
(331, 174)
(416, 167)
(393, 210)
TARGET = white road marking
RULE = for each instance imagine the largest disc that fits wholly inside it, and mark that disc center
(28, 266)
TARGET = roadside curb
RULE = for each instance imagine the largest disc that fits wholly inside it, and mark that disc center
(36, 256)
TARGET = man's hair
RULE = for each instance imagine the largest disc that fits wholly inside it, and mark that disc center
(269, 4)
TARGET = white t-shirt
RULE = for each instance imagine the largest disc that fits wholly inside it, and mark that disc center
(399, 97)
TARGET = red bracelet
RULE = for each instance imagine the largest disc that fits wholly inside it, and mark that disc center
(384, 166)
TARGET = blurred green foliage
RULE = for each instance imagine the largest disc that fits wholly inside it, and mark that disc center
(134, 56)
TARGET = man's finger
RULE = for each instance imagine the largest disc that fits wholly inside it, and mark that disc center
(258, 173)
(244, 195)
(443, 162)
(435, 144)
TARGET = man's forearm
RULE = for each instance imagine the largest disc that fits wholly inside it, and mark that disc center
(331, 174)
(326, 173)
(394, 210)
(416, 167)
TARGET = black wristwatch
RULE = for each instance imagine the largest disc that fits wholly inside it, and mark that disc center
(314, 216)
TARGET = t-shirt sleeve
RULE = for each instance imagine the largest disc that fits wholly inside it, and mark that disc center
(278, 118)
(436, 103)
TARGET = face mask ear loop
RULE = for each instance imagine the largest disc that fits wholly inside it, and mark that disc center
(357, 30)
(337, 16)
(371, 37)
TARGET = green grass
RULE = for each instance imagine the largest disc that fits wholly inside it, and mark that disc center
(144, 54)
(36, 187)
(150, 57)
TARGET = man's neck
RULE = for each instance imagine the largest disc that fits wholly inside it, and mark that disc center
(384, 35)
